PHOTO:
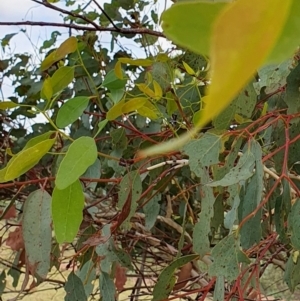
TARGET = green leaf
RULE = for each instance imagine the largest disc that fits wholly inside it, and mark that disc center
(292, 96)
(67, 206)
(68, 46)
(203, 151)
(148, 110)
(47, 91)
(190, 24)
(136, 62)
(74, 289)
(107, 287)
(71, 111)
(226, 258)
(134, 104)
(115, 111)
(93, 172)
(26, 159)
(87, 274)
(37, 232)
(112, 82)
(4, 105)
(35, 140)
(294, 224)
(131, 184)
(62, 78)
(80, 155)
(202, 227)
(5, 41)
(101, 126)
(292, 273)
(166, 279)
(219, 290)
(151, 210)
(241, 172)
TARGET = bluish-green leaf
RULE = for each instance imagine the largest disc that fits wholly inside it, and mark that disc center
(87, 274)
(294, 224)
(67, 206)
(107, 287)
(112, 82)
(80, 155)
(151, 210)
(292, 272)
(71, 111)
(74, 289)
(37, 232)
(93, 172)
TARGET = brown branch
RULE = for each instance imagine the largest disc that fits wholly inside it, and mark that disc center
(88, 28)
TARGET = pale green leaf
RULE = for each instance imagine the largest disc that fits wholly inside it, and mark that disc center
(227, 255)
(67, 206)
(203, 151)
(292, 273)
(148, 110)
(166, 279)
(37, 232)
(107, 287)
(80, 155)
(71, 111)
(62, 78)
(219, 289)
(74, 289)
(101, 125)
(68, 46)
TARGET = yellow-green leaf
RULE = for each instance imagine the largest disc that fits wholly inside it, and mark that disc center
(47, 91)
(145, 89)
(62, 78)
(115, 111)
(26, 159)
(188, 69)
(239, 48)
(137, 62)
(118, 70)
(157, 90)
(67, 206)
(4, 105)
(133, 104)
(68, 46)
(148, 110)
(189, 24)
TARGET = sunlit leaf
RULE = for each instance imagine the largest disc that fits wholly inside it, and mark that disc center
(47, 90)
(4, 105)
(188, 69)
(148, 110)
(145, 89)
(68, 46)
(80, 155)
(137, 62)
(67, 206)
(133, 104)
(61, 78)
(115, 111)
(157, 90)
(71, 111)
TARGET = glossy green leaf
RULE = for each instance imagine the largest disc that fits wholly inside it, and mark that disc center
(4, 105)
(74, 288)
(107, 287)
(80, 155)
(68, 46)
(166, 279)
(112, 82)
(26, 159)
(134, 104)
(227, 255)
(62, 78)
(71, 111)
(67, 206)
(37, 232)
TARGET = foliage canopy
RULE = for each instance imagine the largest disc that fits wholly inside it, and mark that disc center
(174, 166)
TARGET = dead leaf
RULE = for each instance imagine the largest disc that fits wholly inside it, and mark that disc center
(15, 240)
(121, 278)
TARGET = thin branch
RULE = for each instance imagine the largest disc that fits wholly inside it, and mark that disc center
(124, 31)
(106, 15)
